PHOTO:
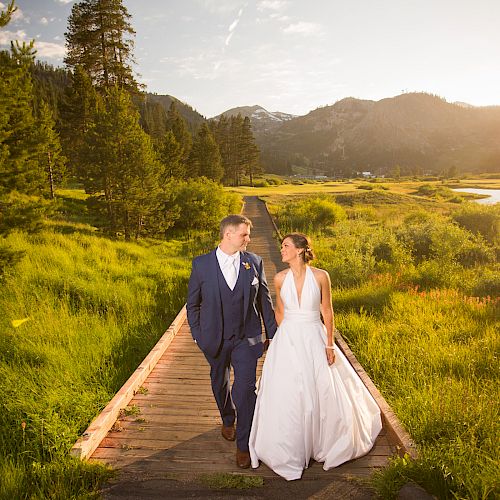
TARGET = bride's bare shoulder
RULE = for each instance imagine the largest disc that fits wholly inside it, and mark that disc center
(321, 275)
(279, 277)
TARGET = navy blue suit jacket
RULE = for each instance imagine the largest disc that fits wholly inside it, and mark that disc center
(204, 306)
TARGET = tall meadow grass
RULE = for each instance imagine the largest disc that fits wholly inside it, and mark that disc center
(416, 295)
(93, 309)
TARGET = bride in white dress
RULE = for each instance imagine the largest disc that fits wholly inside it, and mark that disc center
(310, 401)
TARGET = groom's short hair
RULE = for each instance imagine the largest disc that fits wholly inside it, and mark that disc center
(233, 221)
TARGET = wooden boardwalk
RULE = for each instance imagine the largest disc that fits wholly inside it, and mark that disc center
(171, 426)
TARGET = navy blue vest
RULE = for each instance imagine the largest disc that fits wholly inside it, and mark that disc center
(232, 306)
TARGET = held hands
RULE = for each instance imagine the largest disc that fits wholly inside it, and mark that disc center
(330, 355)
(266, 344)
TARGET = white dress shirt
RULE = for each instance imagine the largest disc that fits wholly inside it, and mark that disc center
(225, 262)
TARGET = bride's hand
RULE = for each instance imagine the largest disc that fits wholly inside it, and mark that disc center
(330, 356)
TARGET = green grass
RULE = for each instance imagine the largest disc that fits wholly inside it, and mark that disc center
(434, 356)
(402, 299)
(93, 307)
(275, 192)
(221, 480)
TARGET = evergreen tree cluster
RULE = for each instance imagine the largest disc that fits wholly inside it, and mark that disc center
(91, 124)
(31, 158)
(237, 147)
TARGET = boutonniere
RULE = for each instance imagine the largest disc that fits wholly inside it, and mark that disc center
(246, 265)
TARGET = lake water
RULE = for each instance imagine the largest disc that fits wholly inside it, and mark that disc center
(493, 195)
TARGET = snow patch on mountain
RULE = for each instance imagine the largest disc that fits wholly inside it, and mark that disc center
(277, 116)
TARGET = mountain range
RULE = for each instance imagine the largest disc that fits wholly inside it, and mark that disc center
(417, 132)
(421, 133)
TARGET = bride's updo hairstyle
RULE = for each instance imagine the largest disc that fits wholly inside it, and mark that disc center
(301, 241)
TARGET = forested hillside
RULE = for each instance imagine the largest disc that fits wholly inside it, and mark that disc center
(91, 124)
(415, 133)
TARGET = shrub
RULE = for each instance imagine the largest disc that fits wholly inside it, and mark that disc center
(199, 204)
(360, 212)
(438, 238)
(475, 252)
(479, 219)
(311, 214)
(356, 251)
(488, 284)
(260, 183)
(274, 180)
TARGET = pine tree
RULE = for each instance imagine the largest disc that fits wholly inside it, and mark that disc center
(177, 124)
(249, 152)
(170, 155)
(235, 140)
(205, 159)
(221, 133)
(19, 169)
(121, 166)
(77, 111)
(99, 38)
(6, 15)
(153, 118)
(52, 159)
(20, 181)
(49, 84)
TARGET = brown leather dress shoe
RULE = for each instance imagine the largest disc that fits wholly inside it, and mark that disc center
(228, 432)
(242, 459)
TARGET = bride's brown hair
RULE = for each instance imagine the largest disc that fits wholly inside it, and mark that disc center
(300, 240)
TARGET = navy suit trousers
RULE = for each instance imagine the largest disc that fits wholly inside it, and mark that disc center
(242, 357)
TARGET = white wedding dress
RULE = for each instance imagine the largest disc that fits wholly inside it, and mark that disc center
(305, 408)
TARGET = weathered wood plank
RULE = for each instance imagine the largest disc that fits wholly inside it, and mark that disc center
(105, 420)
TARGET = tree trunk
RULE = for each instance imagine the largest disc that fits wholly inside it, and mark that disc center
(103, 52)
(51, 175)
(127, 225)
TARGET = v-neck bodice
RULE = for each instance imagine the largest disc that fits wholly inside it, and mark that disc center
(310, 297)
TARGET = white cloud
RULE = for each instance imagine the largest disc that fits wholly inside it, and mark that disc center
(234, 24)
(19, 17)
(65, 1)
(7, 36)
(44, 20)
(232, 27)
(303, 28)
(228, 39)
(43, 49)
(271, 5)
(222, 6)
(279, 17)
(50, 50)
(204, 66)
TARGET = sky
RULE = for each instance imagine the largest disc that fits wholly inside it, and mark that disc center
(295, 55)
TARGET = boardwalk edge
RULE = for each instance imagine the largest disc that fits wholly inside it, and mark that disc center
(391, 422)
(101, 425)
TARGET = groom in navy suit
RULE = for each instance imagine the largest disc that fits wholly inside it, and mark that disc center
(227, 297)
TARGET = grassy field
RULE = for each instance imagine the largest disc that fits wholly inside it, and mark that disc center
(78, 314)
(308, 187)
(80, 311)
(416, 295)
